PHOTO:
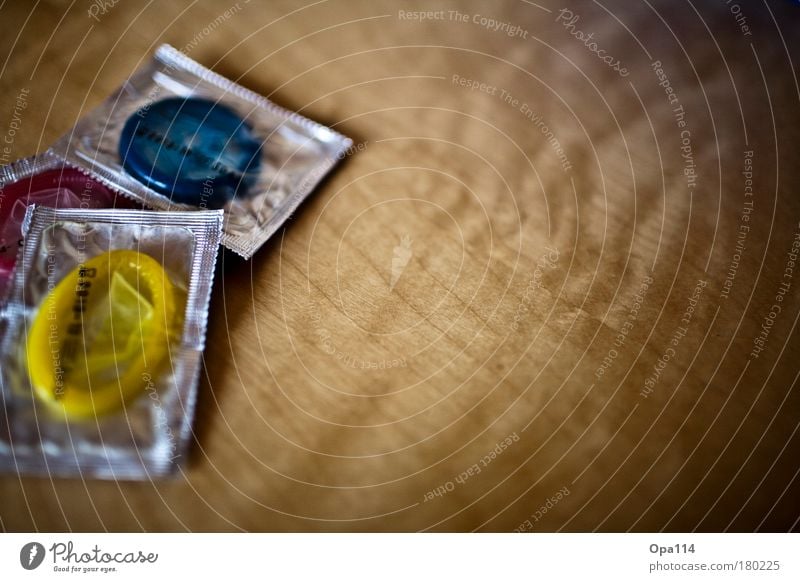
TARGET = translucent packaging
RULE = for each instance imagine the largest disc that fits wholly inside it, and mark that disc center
(102, 338)
(177, 136)
(44, 180)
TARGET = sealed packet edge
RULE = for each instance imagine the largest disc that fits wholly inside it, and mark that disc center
(206, 227)
(244, 245)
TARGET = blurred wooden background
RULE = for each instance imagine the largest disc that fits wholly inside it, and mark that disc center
(537, 203)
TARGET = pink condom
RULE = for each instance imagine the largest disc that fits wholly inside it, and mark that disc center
(61, 188)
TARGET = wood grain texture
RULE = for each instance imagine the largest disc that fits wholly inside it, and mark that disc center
(330, 402)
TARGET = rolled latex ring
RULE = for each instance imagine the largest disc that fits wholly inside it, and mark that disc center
(59, 323)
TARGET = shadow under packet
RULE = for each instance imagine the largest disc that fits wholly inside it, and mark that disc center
(102, 340)
(177, 136)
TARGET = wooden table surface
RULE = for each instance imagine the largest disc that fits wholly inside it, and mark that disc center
(592, 322)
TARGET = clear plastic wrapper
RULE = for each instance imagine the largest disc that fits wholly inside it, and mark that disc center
(102, 339)
(44, 180)
(179, 136)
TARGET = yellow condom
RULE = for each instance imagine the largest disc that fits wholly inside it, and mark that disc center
(99, 333)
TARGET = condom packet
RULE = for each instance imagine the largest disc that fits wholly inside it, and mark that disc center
(44, 180)
(177, 136)
(102, 339)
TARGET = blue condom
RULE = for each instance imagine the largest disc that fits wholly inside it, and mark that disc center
(194, 151)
